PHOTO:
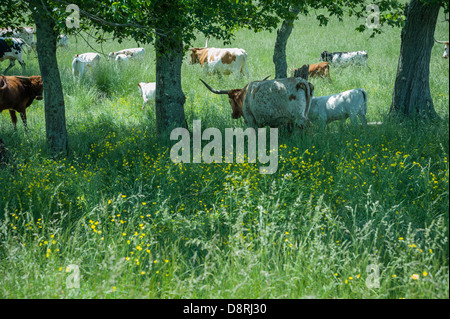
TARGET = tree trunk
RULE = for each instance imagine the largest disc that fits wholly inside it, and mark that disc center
(412, 97)
(279, 52)
(55, 118)
(169, 99)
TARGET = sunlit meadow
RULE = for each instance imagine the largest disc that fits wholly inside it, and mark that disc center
(139, 226)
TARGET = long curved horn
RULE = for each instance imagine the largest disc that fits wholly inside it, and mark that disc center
(440, 41)
(266, 78)
(213, 90)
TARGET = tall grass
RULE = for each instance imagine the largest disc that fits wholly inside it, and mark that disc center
(138, 225)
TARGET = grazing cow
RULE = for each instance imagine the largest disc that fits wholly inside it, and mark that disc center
(62, 41)
(223, 61)
(351, 103)
(12, 49)
(147, 91)
(446, 45)
(81, 61)
(344, 59)
(321, 70)
(274, 103)
(122, 59)
(17, 93)
(94, 58)
(131, 53)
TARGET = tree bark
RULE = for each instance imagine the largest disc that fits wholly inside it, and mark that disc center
(412, 97)
(279, 52)
(169, 99)
(55, 118)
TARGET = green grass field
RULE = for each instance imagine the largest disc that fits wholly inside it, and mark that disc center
(347, 206)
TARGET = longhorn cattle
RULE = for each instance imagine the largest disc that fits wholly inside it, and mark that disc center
(17, 93)
(446, 45)
(12, 49)
(224, 61)
(147, 91)
(351, 103)
(344, 59)
(321, 70)
(271, 103)
(131, 53)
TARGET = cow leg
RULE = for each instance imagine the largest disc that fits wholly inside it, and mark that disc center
(13, 118)
(353, 119)
(11, 64)
(22, 64)
(362, 118)
(24, 119)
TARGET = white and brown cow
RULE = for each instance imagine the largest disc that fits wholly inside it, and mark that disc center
(223, 61)
(446, 45)
(321, 70)
(273, 103)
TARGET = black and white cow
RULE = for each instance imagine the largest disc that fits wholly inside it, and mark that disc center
(11, 49)
(24, 33)
(344, 59)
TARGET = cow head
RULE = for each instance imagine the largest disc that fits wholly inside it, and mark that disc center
(446, 45)
(235, 97)
(194, 56)
(324, 56)
(38, 87)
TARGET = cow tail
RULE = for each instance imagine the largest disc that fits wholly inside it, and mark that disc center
(245, 62)
(364, 93)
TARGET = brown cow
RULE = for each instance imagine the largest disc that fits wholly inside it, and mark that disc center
(17, 93)
(321, 69)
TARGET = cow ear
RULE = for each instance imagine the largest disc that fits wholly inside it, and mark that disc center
(139, 85)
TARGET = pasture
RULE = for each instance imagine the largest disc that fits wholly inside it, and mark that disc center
(343, 202)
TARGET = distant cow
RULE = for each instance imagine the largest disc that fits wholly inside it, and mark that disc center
(83, 61)
(94, 58)
(223, 61)
(446, 45)
(122, 59)
(131, 53)
(271, 103)
(17, 93)
(344, 59)
(62, 41)
(24, 33)
(147, 91)
(349, 104)
(12, 49)
(321, 70)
